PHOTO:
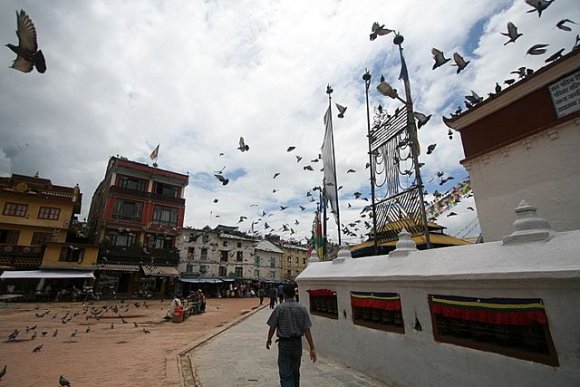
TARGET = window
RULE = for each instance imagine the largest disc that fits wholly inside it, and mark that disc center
(121, 238)
(71, 254)
(256, 273)
(225, 243)
(289, 273)
(290, 260)
(203, 253)
(323, 303)
(15, 209)
(9, 237)
(39, 238)
(239, 256)
(131, 183)
(159, 241)
(272, 262)
(166, 190)
(48, 213)
(257, 261)
(165, 215)
(126, 210)
(205, 238)
(303, 261)
(239, 272)
(223, 271)
(296, 261)
(239, 245)
(189, 268)
(191, 251)
(223, 255)
(203, 269)
(515, 327)
(377, 311)
(273, 274)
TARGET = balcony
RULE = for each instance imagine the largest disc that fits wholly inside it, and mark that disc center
(146, 195)
(21, 256)
(137, 255)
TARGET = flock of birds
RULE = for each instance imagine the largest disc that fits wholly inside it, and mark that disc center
(88, 313)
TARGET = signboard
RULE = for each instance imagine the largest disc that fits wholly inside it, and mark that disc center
(566, 95)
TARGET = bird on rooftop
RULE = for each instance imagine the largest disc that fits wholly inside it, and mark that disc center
(243, 146)
(473, 98)
(63, 381)
(378, 30)
(440, 59)
(512, 33)
(221, 178)
(539, 5)
(459, 62)
(555, 56)
(537, 49)
(27, 53)
(341, 110)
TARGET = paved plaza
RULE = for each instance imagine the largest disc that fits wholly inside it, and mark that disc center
(238, 357)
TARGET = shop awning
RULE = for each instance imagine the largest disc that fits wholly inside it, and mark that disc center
(120, 267)
(55, 274)
(201, 280)
(160, 271)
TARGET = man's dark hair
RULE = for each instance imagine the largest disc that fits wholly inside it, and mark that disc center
(289, 291)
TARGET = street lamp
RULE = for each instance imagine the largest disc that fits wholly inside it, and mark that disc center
(387, 90)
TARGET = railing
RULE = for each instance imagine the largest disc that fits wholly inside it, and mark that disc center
(145, 195)
(137, 255)
(21, 256)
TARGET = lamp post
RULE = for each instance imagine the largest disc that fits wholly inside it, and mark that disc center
(367, 79)
(387, 90)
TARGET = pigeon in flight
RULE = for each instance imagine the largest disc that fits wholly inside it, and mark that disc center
(243, 146)
(537, 49)
(341, 110)
(63, 382)
(298, 158)
(276, 175)
(459, 62)
(216, 200)
(451, 214)
(378, 30)
(290, 148)
(421, 118)
(357, 195)
(473, 98)
(221, 178)
(27, 53)
(351, 171)
(555, 56)
(440, 59)
(282, 208)
(431, 148)
(539, 5)
(561, 24)
(308, 168)
(512, 33)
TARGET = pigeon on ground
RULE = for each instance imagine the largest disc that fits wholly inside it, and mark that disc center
(421, 118)
(13, 335)
(555, 56)
(146, 330)
(88, 329)
(537, 49)
(243, 146)
(37, 348)
(539, 5)
(512, 33)
(378, 30)
(3, 372)
(55, 333)
(221, 178)
(27, 53)
(459, 62)
(63, 382)
(341, 110)
(135, 324)
(440, 59)
(74, 333)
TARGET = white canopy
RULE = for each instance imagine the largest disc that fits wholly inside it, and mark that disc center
(46, 274)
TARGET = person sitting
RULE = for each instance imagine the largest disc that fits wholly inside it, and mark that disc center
(171, 312)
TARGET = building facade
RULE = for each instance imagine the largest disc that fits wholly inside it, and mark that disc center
(294, 259)
(268, 261)
(136, 216)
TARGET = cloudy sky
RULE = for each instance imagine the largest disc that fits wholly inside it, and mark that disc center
(194, 76)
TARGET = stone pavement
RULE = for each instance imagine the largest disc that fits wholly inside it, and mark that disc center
(238, 357)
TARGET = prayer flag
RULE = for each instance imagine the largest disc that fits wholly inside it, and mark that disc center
(155, 153)
(330, 186)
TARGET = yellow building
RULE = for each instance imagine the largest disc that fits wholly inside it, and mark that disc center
(35, 220)
(294, 260)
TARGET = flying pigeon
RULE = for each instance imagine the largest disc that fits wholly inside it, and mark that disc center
(421, 118)
(357, 195)
(512, 33)
(555, 56)
(509, 81)
(378, 30)
(221, 178)
(27, 53)
(451, 214)
(290, 148)
(242, 218)
(276, 175)
(473, 98)
(302, 208)
(459, 62)
(537, 49)
(298, 158)
(341, 110)
(243, 146)
(440, 59)
(350, 171)
(63, 382)
(431, 148)
(539, 5)
(308, 168)
(282, 208)
(470, 208)
(216, 200)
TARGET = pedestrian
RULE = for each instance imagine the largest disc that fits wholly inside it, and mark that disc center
(261, 295)
(272, 297)
(281, 293)
(290, 321)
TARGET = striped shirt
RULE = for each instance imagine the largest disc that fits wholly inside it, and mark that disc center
(290, 319)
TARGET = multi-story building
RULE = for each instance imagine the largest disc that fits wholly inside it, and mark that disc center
(136, 216)
(268, 261)
(294, 259)
(34, 225)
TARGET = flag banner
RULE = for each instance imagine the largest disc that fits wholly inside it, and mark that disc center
(404, 74)
(329, 165)
(155, 153)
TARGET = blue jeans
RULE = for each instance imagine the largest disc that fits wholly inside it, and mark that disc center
(289, 358)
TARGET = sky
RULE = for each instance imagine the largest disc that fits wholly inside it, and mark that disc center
(195, 76)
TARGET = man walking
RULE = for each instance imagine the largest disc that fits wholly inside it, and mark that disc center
(280, 293)
(290, 321)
